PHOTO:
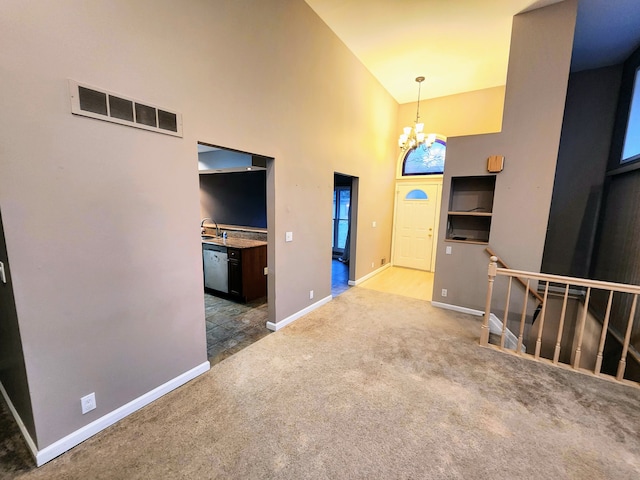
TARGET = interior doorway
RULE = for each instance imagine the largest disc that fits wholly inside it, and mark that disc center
(344, 213)
(236, 204)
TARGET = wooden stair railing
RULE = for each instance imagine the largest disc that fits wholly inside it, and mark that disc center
(580, 326)
(531, 291)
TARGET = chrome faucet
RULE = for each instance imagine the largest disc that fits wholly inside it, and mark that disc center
(202, 230)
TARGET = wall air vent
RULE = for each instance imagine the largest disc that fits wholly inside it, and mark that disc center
(98, 103)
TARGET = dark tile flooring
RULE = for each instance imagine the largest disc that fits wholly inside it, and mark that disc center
(339, 277)
(232, 326)
(15, 457)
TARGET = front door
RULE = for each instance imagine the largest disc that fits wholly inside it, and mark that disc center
(415, 225)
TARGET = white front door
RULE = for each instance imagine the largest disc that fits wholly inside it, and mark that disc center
(415, 226)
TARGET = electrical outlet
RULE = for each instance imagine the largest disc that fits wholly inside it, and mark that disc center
(448, 250)
(382, 260)
(88, 402)
(444, 292)
(288, 237)
(373, 264)
(374, 224)
(310, 294)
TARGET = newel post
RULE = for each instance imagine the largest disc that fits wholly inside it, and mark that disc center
(484, 332)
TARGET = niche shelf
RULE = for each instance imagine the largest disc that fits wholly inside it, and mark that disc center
(470, 209)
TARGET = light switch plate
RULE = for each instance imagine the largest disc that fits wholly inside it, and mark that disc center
(288, 237)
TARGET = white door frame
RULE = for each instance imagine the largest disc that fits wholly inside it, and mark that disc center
(417, 182)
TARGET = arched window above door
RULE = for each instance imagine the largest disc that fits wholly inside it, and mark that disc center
(424, 160)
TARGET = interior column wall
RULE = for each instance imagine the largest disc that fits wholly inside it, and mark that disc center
(537, 77)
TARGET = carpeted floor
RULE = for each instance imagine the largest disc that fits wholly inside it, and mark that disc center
(372, 385)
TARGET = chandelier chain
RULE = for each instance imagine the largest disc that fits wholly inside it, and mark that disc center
(412, 137)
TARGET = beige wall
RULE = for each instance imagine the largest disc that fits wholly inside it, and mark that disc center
(470, 113)
(102, 220)
(537, 78)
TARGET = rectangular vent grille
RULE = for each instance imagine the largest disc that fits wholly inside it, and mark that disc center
(98, 103)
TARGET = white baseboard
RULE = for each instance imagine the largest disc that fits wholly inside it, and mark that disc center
(369, 275)
(73, 439)
(23, 429)
(292, 318)
(457, 308)
(495, 324)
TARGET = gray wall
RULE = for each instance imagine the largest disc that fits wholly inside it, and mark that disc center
(238, 198)
(102, 220)
(534, 104)
(617, 250)
(13, 375)
(589, 115)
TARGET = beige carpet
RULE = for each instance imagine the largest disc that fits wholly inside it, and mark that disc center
(372, 385)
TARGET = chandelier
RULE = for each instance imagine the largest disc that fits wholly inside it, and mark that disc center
(412, 137)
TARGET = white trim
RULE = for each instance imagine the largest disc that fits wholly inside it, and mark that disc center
(80, 435)
(274, 327)
(369, 275)
(495, 324)
(23, 429)
(457, 308)
(418, 182)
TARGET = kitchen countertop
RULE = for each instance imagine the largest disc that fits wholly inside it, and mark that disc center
(234, 242)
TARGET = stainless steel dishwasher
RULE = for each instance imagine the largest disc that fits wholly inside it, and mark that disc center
(216, 267)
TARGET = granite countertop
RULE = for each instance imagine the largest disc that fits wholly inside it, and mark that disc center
(234, 242)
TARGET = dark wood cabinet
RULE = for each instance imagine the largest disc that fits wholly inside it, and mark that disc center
(247, 280)
(235, 272)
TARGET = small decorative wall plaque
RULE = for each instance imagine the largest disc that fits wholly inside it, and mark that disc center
(495, 163)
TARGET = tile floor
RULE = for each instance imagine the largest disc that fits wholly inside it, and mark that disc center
(232, 326)
(339, 277)
(403, 281)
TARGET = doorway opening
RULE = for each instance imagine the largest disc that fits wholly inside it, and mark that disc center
(419, 176)
(235, 208)
(344, 213)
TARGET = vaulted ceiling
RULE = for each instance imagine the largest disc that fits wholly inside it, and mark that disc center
(463, 45)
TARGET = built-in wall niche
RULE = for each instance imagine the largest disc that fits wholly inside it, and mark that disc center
(470, 209)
